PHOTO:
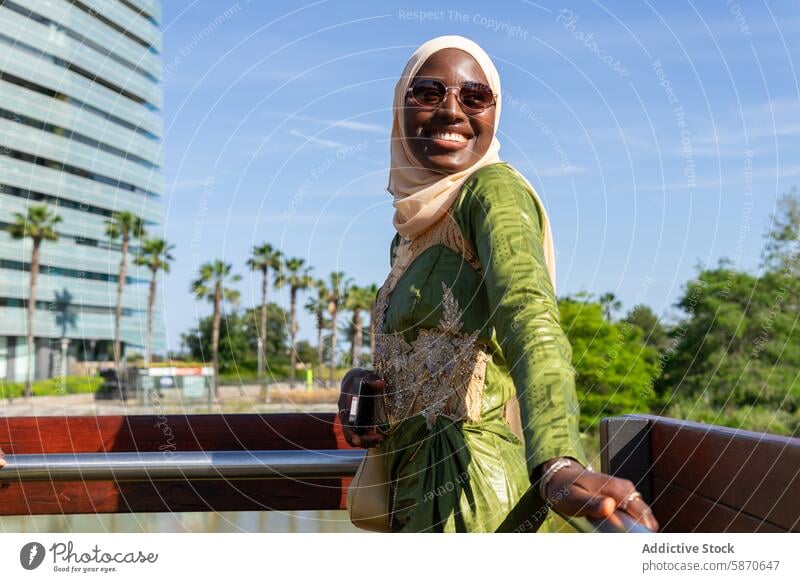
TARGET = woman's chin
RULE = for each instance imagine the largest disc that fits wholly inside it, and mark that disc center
(447, 162)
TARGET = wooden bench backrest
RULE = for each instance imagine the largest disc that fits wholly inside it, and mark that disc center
(705, 478)
(197, 432)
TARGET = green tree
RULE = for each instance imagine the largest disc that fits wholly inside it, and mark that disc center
(212, 283)
(306, 352)
(782, 247)
(358, 300)
(614, 370)
(238, 341)
(610, 304)
(655, 334)
(738, 348)
(39, 224)
(337, 293)
(294, 274)
(264, 258)
(318, 306)
(123, 225)
(155, 255)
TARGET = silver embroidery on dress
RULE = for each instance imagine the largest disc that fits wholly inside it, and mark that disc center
(440, 373)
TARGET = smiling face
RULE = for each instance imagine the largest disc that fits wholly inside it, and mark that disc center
(447, 139)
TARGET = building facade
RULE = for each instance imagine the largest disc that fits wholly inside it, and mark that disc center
(80, 132)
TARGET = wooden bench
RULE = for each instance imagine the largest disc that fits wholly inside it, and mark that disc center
(706, 478)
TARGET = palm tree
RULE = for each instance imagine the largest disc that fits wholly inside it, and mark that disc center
(212, 283)
(264, 258)
(317, 306)
(38, 225)
(155, 255)
(610, 304)
(336, 296)
(358, 299)
(293, 274)
(123, 225)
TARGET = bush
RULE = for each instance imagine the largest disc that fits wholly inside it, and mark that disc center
(614, 368)
(755, 418)
(52, 386)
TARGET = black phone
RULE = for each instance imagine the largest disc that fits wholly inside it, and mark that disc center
(361, 417)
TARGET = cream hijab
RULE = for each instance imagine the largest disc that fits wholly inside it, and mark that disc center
(422, 196)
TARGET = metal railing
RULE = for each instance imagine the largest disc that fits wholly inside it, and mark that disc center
(148, 466)
(195, 465)
(617, 522)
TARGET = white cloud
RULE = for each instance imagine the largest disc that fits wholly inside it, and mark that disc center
(317, 141)
(767, 120)
(328, 123)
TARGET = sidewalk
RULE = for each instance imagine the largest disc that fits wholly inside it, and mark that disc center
(241, 399)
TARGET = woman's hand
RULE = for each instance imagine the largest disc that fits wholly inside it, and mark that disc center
(349, 385)
(579, 492)
(2, 460)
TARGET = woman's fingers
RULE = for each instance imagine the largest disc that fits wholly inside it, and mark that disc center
(376, 384)
(369, 439)
(623, 493)
(575, 500)
(352, 438)
(374, 381)
(584, 493)
(372, 437)
(641, 512)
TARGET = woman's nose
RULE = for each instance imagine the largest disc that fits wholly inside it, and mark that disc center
(451, 106)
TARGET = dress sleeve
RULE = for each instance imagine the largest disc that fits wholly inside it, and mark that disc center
(503, 220)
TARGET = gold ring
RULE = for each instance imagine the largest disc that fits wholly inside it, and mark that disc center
(631, 497)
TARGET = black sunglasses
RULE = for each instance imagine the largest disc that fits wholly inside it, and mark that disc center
(429, 94)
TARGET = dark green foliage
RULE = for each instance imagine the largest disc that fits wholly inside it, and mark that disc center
(654, 333)
(306, 353)
(615, 370)
(736, 355)
(238, 339)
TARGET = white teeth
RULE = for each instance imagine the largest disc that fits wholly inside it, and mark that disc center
(448, 136)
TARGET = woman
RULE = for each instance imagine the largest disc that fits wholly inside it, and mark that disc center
(467, 326)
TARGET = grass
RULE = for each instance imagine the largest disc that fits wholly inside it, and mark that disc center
(53, 386)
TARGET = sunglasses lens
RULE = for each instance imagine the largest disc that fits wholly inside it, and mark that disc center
(428, 93)
(477, 97)
(474, 97)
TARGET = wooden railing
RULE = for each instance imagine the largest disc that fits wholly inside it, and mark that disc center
(706, 478)
(167, 435)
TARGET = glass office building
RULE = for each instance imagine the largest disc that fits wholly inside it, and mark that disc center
(80, 132)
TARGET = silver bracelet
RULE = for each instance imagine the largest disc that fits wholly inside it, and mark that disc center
(561, 463)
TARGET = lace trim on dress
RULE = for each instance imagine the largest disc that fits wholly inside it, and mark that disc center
(442, 372)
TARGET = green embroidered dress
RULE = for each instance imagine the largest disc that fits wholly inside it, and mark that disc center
(466, 321)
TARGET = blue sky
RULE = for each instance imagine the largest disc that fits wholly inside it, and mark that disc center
(659, 134)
